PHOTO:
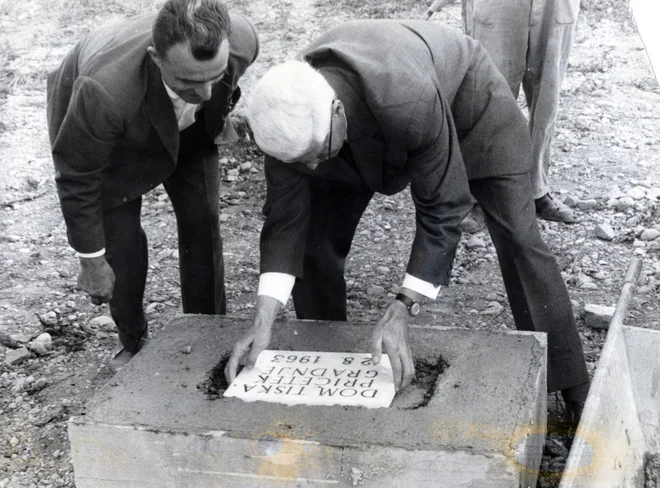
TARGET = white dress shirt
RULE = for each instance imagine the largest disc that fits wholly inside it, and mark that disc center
(280, 285)
(185, 112)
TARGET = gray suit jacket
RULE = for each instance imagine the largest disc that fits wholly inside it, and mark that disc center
(425, 106)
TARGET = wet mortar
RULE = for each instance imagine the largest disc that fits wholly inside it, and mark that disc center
(416, 395)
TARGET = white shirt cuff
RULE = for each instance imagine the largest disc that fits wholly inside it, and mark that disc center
(420, 286)
(276, 285)
(91, 254)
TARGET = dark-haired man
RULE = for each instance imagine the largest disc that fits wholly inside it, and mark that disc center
(133, 105)
(375, 106)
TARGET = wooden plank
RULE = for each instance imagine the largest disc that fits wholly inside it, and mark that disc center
(608, 449)
(643, 348)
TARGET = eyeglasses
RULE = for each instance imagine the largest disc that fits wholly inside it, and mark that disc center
(331, 124)
(320, 157)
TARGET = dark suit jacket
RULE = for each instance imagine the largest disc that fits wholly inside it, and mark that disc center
(113, 132)
(425, 106)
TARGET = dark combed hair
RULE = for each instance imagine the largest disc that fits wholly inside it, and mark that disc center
(203, 23)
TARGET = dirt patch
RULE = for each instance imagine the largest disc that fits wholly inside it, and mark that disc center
(652, 471)
(214, 386)
(558, 442)
(421, 390)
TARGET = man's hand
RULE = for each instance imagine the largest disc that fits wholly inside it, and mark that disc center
(392, 333)
(97, 279)
(257, 338)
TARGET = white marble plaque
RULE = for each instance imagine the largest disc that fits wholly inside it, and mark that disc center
(316, 378)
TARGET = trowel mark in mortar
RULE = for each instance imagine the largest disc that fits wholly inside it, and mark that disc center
(422, 388)
(215, 383)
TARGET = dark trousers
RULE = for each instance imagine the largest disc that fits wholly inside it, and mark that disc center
(536, 290)
(193, 189)
(336, 211)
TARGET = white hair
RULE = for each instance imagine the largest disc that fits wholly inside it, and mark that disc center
(290, 109)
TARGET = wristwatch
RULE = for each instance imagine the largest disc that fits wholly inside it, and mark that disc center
(412, 306)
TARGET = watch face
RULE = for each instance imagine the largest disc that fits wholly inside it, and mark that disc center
(415, 308)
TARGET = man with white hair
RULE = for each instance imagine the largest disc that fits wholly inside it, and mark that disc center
(373, 106)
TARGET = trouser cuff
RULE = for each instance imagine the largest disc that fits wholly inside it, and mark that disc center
(133, 343)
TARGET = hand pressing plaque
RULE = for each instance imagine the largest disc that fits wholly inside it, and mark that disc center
(316, 378)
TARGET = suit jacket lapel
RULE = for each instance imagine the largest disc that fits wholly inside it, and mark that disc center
(160, 111)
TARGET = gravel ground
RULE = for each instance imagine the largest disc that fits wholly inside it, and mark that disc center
(606, 165)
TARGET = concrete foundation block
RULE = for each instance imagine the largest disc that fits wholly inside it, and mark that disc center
(151, 426)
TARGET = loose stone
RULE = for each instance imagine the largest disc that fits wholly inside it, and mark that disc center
(475, 243)
(12, 356)
(586, 205)
(103, 323)
(624, 203)
(649, 235)
(494, 308)
(49, 318)
(598, 316)
(42, 344)
(605, 232)
(637, 193)
(375, 290)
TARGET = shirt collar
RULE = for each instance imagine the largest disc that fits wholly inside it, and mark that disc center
(176, 99)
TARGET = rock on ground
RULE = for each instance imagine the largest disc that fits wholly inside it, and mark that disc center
(598, 316)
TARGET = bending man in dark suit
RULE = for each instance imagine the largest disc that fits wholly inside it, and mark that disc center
(133, 105)
(386, 104)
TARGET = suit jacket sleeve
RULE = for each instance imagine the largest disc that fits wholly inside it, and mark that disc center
(81, 147)
(439, 188)
(287, 209)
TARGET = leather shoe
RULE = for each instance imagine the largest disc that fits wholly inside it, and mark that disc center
(574, 410)
(548, 208)
(121, 356)
(474, 221)
(574, 400)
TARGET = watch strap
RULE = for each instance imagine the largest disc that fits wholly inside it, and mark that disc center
(406, 300)
(412, 305)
